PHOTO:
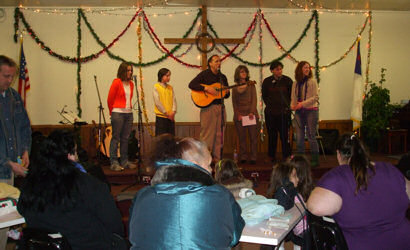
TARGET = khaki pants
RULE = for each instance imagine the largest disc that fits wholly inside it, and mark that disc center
(211, 129)
(3, 231)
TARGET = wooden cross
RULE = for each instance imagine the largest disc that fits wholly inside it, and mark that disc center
(204, 41)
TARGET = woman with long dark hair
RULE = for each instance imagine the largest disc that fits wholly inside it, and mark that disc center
(244, 104)
(57, 197)
(367, 199)
(304, 101)
(120, 107)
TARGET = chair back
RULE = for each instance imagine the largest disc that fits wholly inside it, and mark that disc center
(326, 234)
(40, 239)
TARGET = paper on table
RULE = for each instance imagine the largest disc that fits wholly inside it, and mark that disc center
(246, 121)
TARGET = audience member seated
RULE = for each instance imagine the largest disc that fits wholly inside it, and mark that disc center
(57, 197)
(184, 208)
(404, 165)
(228, 174)
(367, 199)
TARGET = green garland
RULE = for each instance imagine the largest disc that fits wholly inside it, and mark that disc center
(79, 110)
(296, 44)
(136, 64)
(19, 15)
(317, 70)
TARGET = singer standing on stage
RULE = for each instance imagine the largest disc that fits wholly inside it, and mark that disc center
(212, 117)
(276, 92)
(305, 100)
(165, 104)
(244, 104)
(120, 106)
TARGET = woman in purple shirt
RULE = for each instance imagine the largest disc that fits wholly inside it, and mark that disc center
(367, 199)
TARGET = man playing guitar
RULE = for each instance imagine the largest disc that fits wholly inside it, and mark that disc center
(212, 116)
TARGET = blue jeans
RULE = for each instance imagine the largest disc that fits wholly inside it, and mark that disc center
(306, 118)
(121, 129)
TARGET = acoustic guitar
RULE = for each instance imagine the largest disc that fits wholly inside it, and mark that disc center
(203, 99)
(106, 134)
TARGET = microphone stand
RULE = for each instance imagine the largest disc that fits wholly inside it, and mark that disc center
(222, 114)
(140, 129)
(288, 111)
(100, 114)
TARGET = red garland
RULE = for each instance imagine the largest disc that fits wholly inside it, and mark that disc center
(270, 30)
(164, 48)
(116, 39)
(246, 34)
(83, 59)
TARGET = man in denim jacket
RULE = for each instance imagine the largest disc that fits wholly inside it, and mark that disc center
(15, 131)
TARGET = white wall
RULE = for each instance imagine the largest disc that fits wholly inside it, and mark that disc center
(54, 82)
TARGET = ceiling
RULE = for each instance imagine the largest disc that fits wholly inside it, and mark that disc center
(396, 5)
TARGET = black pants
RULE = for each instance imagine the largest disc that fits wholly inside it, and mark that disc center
(278, 124)
(163, 126)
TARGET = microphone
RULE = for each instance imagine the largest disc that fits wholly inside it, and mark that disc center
(95, 77)
(134, 77)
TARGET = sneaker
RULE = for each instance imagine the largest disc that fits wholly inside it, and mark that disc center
(116, 167)
(129, 165)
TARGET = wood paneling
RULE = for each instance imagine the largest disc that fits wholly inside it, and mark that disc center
(88, 134)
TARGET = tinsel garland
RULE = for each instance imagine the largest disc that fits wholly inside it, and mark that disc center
(350, 48)
(151, 36)
(262, 134)
(144, 109)
(277, 41)
(164, 48)
(118, 58)
(19, 15)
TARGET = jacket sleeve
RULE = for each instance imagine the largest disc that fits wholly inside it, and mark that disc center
(235, 104)
(112, 94)
(195, 84)
(293, 97)
(24, 128)
(265, 96)
(313, 97)
(103, 205)
(225, 83)
(238, 220)
(254, 101)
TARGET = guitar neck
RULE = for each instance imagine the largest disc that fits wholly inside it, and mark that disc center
(238, 85)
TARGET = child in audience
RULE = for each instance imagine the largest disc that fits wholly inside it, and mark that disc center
(290, 181)
(229, 175)
(303, 171)
(165, 104)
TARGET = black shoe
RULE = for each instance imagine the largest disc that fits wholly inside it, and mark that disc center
(252, 162)
(243, 161)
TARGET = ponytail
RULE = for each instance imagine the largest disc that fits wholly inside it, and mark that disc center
(352, 149)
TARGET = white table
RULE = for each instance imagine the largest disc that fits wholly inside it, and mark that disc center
(256, 234)
(11, 219)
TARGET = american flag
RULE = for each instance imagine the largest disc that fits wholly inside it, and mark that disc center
(358, 92)
(24, 80)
